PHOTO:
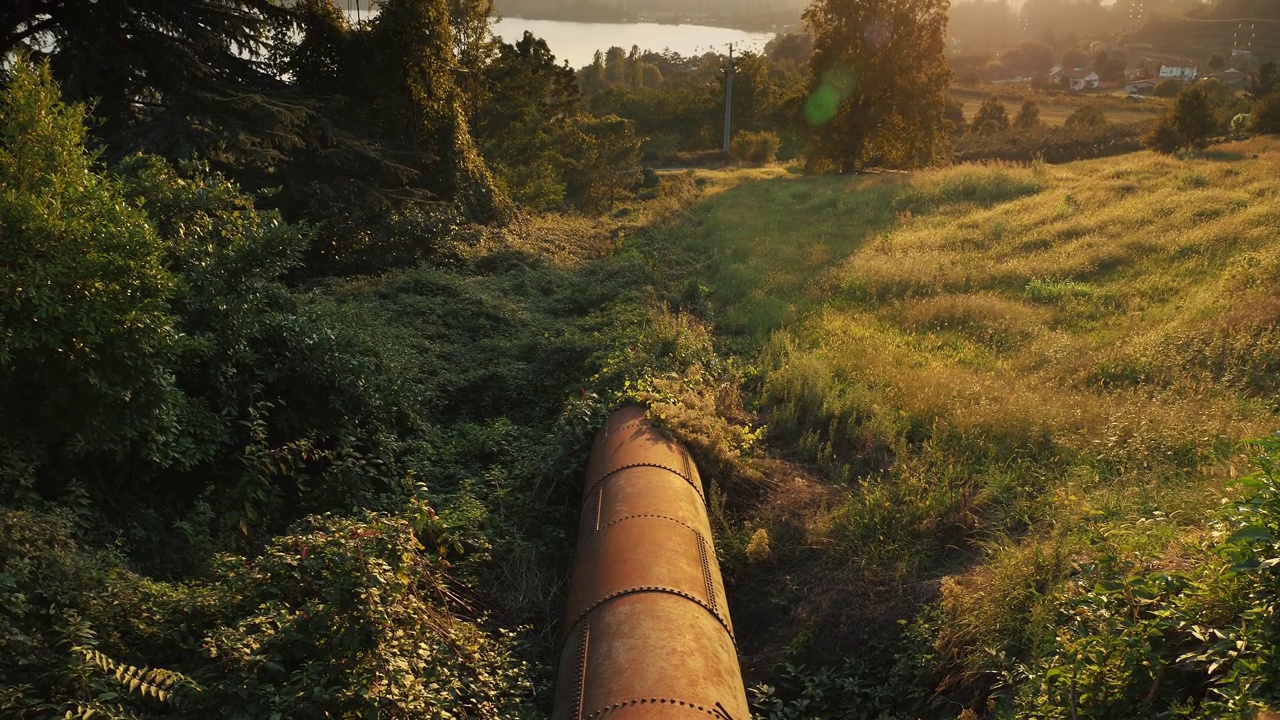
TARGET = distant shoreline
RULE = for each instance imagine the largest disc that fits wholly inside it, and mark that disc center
(719, 24)
(595, 13)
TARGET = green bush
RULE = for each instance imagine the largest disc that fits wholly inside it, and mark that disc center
(1052, 144)
(86, 368)
(1086, 116)
(1164, 137)
(1266, 115)
(1199, 642)
(335, 618)
(991, 117)
(755, 147)
(1167, 88)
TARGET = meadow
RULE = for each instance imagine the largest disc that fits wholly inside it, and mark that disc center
(1056, 107)
(981, 379)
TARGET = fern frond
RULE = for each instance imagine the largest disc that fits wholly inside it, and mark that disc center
(156, 683)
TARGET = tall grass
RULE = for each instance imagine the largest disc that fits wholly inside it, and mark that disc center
(987, 359)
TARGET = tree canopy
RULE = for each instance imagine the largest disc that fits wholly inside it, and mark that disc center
(878, 85)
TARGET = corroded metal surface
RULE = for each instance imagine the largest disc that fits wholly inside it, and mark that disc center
(649, 628)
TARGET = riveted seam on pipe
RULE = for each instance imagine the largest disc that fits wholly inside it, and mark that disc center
(658, 589)
(706, 573)
(595, 520)
(682, 523)
(644, 422)
(582, 671)
(716, 711)
(686, 475)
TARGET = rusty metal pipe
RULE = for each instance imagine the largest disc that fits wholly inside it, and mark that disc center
(649, 630)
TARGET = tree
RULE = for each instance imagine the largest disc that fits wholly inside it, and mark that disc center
(522, 126)
(1028, 116)
(1188, 123)
(1085, 116)
(606, 163)
(1074, 57)
(1217, 62)
(1167, 88)
(412, 93)
(179, 78)
(474, 46)
(990, 118)
(879, 82)
(1265, 81)
(1266, 115)
(591, 77)
(615, 66)
(1110, 68)
(1164, 137)
(954, 114)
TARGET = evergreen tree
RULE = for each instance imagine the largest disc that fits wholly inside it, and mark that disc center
(1194, 117)
(990, 118)
(1265, 82)
(879, 83)
(181, 78)
(1028, 116)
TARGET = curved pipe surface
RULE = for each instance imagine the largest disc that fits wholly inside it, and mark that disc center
(649, 629)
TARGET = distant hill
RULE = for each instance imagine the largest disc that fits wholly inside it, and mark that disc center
(1252, 25)
(1234, 9)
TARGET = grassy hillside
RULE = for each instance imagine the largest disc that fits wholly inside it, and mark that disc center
(983, 379)
(1056, 108)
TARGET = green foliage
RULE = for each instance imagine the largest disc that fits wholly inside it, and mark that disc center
(990, 118)
(1265, 82)
(1051, 144)
(1087, 116)
(605, 161)
(1163, 137)
(1189, 123)
(89, 337)
(1193, 116)
(1197, 643)
(856, 689)
(878, 85)
(1028, 116)
(1266, 115)
(761, 147)
(339, 617)
(181, 79)
(525, 129)
(1167, 88)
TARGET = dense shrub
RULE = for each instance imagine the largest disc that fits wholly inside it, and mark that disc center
(990, 118)
(86, 368)
(1052, 144)
(1131, 643)
(1028, 116)
(755, 147)
(1190, 122)
(1266, 114)
(336, 618)
(1167, 88)
(153, 357)
(1086, 116)
(1163, 138)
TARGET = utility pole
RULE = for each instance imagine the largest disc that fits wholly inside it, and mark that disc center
(728, 99)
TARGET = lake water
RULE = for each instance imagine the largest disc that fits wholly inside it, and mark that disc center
(577, 42)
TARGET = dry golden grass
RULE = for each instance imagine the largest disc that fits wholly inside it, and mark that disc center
(990, 359)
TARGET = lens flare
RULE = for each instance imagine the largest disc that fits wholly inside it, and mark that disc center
(820, 107)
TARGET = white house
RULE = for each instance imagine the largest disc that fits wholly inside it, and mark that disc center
(1185, 73)
(1079, 79)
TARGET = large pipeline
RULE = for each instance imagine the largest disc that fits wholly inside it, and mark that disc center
(649, 631)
